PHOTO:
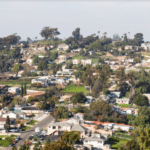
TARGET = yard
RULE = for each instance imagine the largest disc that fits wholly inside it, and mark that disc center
(8, 139)
(78, 57)
(32, 122)
(25, 128)
(115, 142)
(72, 88)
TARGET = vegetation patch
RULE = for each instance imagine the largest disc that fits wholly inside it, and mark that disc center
(32, 122)
(72, 88)
(115, 142)
(7, 140)
(25, 128)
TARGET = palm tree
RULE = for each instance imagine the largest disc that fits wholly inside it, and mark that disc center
(99, 34)
(105, 33)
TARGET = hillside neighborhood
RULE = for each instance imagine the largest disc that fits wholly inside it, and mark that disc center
(90, 93)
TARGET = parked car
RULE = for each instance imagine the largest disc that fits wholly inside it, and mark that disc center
(11, 144)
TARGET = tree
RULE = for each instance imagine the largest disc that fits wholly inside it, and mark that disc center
(78, 98)
(138, 39)
(42, 66)
(21, 91)
(48, 32)
(14, 147)
(140, 100)
(71, 137)
(105, 91)
(36, 59)
(37, 146)
(7, 125)
(25, 89)
(59, 145)
(16, 68)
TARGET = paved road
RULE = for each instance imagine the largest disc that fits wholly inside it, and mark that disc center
(42, 124)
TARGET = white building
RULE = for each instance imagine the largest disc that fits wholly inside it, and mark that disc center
(76, 61)
(11, 115)
(29, 62)
(145, 46)
(122, 100)
(97, 141)
(86, 62)
(15, 90)
(63, 47)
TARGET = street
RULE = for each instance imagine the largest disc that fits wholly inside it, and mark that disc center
(42, 124)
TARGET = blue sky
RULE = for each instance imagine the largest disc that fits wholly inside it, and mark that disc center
(28, 18)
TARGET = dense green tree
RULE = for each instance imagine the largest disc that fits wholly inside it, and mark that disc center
(42, 65)
(71, 137)
(138, 39)
(78, 98)
(7, 125)
(140, 100)
(50, 33)
(16, 68)
(59, 145)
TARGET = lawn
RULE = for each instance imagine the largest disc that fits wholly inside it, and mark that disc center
(124, 105)
(25, 128)
(115, 142)
(72, 88)
(32, 122)
(78, 57)
(7, 140)
(95, 60)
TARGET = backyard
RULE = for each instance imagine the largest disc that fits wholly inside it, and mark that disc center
(72, 88)
(25, 128)
(115, 142)
(32, 122)
(8, 139)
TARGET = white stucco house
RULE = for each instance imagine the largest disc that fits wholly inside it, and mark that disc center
(86, 62)
(15, 90)
(76, 61)
(63, 47)
(122, 100)
(97, 141)
(11, 115)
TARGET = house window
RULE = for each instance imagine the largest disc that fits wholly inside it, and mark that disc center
(59, 127)
(86, 141)
(54, 127)
(99, 141)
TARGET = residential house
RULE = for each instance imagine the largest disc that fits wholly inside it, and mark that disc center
(97, 141)
(115, 94)
(58, 127)
(63, 47)
(14, 90)
(76, 61)
(76, 50)
(64, 73)
(79, 116)
(86, 62)
(62, 98)
(145, 46)
(11, 115)
(91, 52)
(20, 73)
(63, 57)
(122, 100)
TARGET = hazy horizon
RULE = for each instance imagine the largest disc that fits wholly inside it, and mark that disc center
(28, 18)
